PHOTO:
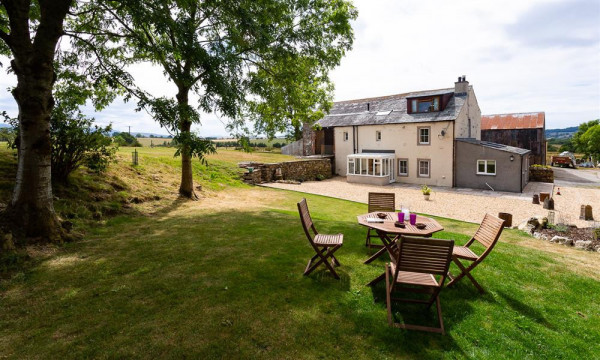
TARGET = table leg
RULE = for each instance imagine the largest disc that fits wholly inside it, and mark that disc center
(377, 279)
(376, 255)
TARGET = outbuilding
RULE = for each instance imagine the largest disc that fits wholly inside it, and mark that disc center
(523, 130)
(485, 165)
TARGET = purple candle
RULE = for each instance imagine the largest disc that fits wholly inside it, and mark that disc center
(413, 219)
(401, 216)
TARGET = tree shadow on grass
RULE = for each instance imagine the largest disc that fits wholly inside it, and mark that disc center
(214, 282)
(526, 310)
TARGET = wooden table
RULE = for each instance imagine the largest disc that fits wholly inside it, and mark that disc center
(389, 233)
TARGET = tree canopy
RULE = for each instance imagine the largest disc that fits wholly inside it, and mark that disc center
(259, 61)
(587, 139)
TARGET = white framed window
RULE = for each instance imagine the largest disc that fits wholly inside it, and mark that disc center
(345, 136)
(424, 137)
(424, 168)
(403, 167)
(486, 167)
(378, 135)
(365, 164)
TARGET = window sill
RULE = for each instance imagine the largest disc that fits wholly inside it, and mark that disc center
(485, 174)
(379, 176)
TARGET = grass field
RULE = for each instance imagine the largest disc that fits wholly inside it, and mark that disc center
(147, 142)
(159, 141)
(222, 278)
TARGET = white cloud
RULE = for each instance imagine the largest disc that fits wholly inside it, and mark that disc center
(417, 45)
(511, 53)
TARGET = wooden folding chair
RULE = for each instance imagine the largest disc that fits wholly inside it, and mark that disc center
(414, 270)
(487, 235)
(324, 245)
(384, 202)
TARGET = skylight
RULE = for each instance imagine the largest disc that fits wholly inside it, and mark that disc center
(383, 112)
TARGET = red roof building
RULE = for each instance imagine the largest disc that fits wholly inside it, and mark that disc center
(524, 130)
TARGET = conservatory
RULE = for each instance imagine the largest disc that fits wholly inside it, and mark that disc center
(371, 168)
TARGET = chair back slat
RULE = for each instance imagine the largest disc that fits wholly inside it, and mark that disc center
(431, 256)
(382, 202)
(306, 220)
(489, 231)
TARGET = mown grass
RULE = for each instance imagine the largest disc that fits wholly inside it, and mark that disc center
(205, 280)
(90, 198)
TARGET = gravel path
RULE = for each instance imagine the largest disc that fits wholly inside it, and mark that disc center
(456, 203)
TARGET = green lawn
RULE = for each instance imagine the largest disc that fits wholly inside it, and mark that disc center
(222, 278)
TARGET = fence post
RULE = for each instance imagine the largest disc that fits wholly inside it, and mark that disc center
(134, 156)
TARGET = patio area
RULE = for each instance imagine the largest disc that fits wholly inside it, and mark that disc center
(459, 203)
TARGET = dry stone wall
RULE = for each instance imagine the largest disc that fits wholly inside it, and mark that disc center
(541, 174)
(297, 170)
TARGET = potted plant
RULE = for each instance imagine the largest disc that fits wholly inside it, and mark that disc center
(426, 191)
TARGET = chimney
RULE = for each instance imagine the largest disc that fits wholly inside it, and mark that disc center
(368, 106)
(461, 87)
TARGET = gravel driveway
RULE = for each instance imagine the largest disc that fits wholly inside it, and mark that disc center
(460, 204)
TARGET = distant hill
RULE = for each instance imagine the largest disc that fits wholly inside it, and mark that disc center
(144, 134)
(3, 125)
(561, 133)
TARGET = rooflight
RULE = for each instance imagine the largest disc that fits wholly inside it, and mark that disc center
(383, 112)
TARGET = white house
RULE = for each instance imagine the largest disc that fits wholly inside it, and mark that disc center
(430, 137)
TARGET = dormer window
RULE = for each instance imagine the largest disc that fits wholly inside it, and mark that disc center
(424, 105)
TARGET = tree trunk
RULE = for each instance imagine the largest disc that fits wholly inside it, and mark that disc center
(31, 210)
(186, 188)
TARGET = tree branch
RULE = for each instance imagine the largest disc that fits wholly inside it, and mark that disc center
(6, 37)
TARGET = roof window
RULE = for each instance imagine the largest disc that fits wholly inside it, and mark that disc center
(380, 113)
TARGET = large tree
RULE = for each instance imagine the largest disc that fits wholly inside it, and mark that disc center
(240, 58)
(587, 139)
(30, 31)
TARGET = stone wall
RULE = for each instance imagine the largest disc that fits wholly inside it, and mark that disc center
(541, 174)
(297, 170)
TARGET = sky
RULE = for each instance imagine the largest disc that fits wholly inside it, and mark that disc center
(519, 56)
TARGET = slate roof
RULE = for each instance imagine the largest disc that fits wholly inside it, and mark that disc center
(501, 147)
(533, 120)
(354, 112)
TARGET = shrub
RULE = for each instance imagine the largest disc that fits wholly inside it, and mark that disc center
(76, 142)
(126, 139)
(426, 190)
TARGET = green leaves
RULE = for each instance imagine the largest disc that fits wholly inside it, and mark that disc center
(587, 138)
(190, 144)
(265, 61)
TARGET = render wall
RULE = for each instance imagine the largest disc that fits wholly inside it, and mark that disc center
(342, 149)
(472, 111)
(402, 139)
(508, 173)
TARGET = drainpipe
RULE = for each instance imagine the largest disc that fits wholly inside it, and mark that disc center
(453, 155)
(357, 139)
(354, 139)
